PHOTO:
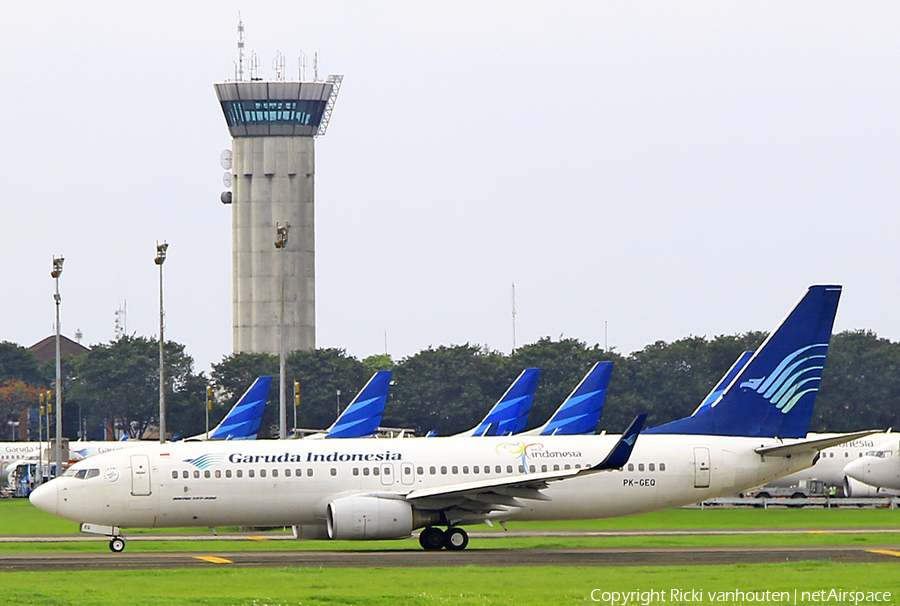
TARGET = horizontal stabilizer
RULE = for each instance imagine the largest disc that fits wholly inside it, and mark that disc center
(786, 450)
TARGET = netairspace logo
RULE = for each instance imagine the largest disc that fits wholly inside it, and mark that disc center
(739, 596)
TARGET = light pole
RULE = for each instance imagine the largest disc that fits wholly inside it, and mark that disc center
(281, 239)
(159, 260)
(57, 451)
(337, 406)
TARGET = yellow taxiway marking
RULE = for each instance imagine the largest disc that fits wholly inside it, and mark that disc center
(889, 552)
(258, 538)
(213, 560)
(819, 532)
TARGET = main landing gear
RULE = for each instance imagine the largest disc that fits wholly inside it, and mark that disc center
(453, 539)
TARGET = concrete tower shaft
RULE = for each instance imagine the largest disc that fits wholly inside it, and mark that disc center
(273, 125)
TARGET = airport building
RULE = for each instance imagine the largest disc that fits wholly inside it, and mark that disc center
(273, 125)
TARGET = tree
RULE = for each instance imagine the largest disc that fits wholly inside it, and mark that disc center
(448, 389)
(119, 381)
(18, 363)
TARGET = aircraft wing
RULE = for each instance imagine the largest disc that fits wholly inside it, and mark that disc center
(467, 499)
(786, 450)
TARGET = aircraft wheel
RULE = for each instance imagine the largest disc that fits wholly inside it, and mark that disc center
(456, 539)
(117, 545)
(431, 538)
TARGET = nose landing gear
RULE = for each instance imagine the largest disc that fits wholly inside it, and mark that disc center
(117, 545)
(453, 539)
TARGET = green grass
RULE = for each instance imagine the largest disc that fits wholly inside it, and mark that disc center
(457, 586)
(462, 585)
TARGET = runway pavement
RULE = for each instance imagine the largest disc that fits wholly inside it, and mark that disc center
(484, 555)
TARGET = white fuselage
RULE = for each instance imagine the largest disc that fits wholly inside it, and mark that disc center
(274, 483)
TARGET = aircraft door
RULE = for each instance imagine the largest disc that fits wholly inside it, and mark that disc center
(701, 467)
(387, 474)
(407, 474)
(140, 475)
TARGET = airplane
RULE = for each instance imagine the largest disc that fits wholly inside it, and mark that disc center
(878, 469)
(361, 489)
(363, 415)
(580, 412)
(510, 414)
(241, 423)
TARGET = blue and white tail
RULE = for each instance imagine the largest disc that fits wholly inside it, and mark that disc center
(242, 421)
(775, 393)
(510, 414)
(363, 416)
(580, 412)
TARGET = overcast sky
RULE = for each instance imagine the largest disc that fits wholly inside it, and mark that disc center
(669, 168)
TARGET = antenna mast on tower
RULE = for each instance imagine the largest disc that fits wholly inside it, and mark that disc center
(239, 67)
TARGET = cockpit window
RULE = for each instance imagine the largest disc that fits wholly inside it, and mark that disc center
(82, 474)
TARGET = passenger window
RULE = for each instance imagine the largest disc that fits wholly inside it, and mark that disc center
(218, 473)
(662, 466)
(432, 470)
(567, 466)
(407, 471)
(387, 471)
(454, 470)
(196, 474)
(475, 469)
(174, 475)
(334, 471)
(443, 470)
(227, 473)
(251, 473)
(521, 469)
(206, 474)
(631, 467)
(531, 468)
(640, 467)
(365, 471)
(274, 473)
(298, 472)
(356, 471)
(651, 467)
(508, 469)
(240, 473)
(556, 468)
(309, 472)
(287, 473)
(262, 473)
(498, 469)
(420, 471)
(465, 469)
(375, 471)
(543, 468)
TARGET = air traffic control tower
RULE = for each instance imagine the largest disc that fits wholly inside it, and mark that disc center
(274, 125)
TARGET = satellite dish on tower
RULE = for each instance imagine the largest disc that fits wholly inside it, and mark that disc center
(225, 159)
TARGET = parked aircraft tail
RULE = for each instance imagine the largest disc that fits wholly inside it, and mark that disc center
(580, 412)
(510, 414)
(363, 416)
(242, 421)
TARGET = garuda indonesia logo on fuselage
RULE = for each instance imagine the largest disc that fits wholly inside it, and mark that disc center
(798, 374)
(206, 460)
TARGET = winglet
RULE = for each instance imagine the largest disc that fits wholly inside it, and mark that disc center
(243, 420)
(363, 416)
(621, 452)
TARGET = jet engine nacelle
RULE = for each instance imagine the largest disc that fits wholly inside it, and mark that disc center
(856, 489)
(359, 518)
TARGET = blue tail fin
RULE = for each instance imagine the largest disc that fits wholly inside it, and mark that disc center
(726, 380)
(774, 394)
(242, 421)
(363, 416)
(510, 414)
(580, 412)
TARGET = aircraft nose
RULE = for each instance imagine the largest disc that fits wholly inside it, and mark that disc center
(46, 497)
